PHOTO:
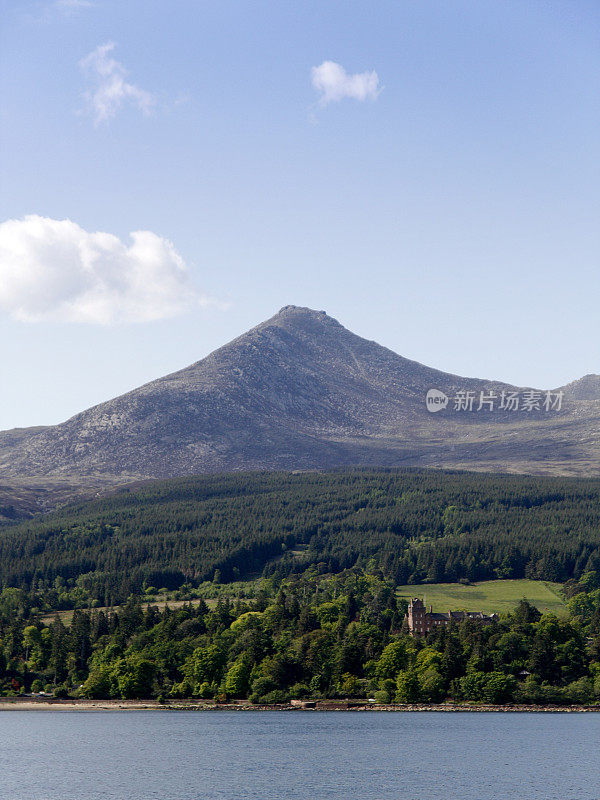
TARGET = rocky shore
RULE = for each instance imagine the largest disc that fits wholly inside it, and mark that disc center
(56, 704)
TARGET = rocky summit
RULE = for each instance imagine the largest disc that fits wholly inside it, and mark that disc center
(301, 392)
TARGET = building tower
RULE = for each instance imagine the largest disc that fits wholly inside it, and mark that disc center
(416, 616)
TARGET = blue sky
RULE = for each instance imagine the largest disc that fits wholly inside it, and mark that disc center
(448, 209)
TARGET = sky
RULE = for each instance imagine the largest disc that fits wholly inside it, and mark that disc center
(173, 173)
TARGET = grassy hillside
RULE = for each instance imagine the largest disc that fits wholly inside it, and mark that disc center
(488, 596)
(415, 526)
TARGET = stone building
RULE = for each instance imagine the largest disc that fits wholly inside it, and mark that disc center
(421, 621)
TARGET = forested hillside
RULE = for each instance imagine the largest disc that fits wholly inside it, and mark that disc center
(308, 635)
(414, 526)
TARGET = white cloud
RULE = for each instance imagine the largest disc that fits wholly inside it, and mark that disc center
(334, 84)
(55, 270)
(110, 89)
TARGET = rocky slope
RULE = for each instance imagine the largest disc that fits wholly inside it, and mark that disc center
(299, 391)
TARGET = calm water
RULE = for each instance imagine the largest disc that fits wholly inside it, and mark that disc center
(87, 755)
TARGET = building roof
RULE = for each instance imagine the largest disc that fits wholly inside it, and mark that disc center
(447, 616)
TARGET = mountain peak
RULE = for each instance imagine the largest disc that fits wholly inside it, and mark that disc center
(301, 310)
(302, 320)
(300, 391)
(303, 313)
(586, 388)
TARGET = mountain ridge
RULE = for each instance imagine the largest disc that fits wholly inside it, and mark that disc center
(300, 391)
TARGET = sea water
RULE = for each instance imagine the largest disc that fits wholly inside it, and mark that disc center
(299, 755)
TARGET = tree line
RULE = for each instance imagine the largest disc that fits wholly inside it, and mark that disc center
(415, 525)
(306, 636)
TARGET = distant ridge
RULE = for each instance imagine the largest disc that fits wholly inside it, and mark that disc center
(300, 391)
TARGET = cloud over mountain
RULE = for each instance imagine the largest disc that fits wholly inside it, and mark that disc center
(55, 270)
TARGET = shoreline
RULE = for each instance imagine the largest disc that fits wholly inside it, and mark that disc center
(56, 704)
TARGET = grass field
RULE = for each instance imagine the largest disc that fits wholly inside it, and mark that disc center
(488, 596)
(67, 616)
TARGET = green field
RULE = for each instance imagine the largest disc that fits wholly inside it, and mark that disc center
(488, 596)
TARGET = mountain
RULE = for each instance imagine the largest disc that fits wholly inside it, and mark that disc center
(300, 392)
